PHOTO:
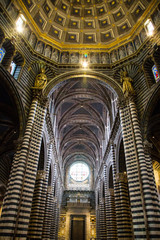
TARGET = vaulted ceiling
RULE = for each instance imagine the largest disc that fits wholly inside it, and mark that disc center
(83, 113)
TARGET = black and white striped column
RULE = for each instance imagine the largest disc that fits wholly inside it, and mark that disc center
(122, 206)
(48, 214)
(37, 214)
(39, 199)
(110, 209)
(123, 213)
(145, 218)
(18, 200)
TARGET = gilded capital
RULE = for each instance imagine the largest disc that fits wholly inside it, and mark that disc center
(121, 177)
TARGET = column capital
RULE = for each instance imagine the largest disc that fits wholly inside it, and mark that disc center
(49, 189)
(121, 103)
(38, 94)
(41, 174)
(110, 191)
(121, 177)
(18, 141)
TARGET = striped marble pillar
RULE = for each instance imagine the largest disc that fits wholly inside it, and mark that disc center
(39, 200)
(37, 214)
(53, 220)
(111, 215)
(18, 200)
(144, 216)
(97, 223)
(55, 214)
(49, 208)
(102, 220)
(109, 209)
(123, 213)
(48, 214)
(153, 210)
(122, 205)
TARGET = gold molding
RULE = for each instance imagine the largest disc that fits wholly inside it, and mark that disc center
(89, 47)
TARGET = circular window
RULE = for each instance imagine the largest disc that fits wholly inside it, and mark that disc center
(79, 171)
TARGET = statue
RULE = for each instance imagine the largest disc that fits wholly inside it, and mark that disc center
(39, 48)
(13, 11)
(137, 43)
(156, 18)
(74, 58)
(65, 57)
(26, 32)
(113, 57)
(130, 48)
(127, 84)
(122, 53)
(94, 58)
(32, 40)
(143, 35)
(104, 58)
(41, 80)
(54, 55)
(47, 51)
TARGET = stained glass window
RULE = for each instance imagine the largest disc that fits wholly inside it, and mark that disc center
(12, 68)
(155, 73)
(79, 171)
(2, 53)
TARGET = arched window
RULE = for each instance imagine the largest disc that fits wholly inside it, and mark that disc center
(148, 71)
(2, 54)
(16, 65)
(9, 52)
(155, 73)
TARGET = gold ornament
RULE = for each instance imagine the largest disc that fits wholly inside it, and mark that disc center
(127, 84)
(41, 80)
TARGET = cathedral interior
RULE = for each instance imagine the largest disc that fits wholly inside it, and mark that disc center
(79, 119)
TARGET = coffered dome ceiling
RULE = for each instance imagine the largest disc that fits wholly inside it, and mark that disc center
(86, 23)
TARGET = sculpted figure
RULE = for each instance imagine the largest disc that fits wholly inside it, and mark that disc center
(74, 58)
(122, 53)
(113, 57)
(65, 57)
(26, 32)
(47, 51)
(39, 48)
(104, 58)
(13, 12)
(156, 18)
(143, 35)
(137, 42)
(130, 48)
(54, 55)
(32, 40)
(94, 58)
(41, 80)
(127, 84)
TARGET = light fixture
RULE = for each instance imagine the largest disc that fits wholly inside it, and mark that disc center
(84, 64)
(20, 23)
(149, 27)
(84, 61)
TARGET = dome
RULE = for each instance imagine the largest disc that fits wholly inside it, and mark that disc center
(86, 23)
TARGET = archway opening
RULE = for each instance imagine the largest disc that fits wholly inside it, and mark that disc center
(83, 110)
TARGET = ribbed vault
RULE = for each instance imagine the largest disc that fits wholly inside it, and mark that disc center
(83, 115)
